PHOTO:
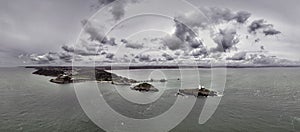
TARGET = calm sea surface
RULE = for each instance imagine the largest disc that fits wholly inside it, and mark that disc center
(263, 99)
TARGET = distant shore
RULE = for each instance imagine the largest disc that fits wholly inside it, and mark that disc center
(161, 67)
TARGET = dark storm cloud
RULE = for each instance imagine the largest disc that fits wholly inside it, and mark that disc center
(258, 24)
(117, 8)
(268, 29)
(226, 39)
(271, 32)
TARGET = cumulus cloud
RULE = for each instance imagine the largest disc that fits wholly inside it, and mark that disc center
(258, 59)
(132, 45)
(184, 38)
(177, 53)
(242, 16)
(172, 42)
(68, 48)
(212, 16)
(258, 24)
(226, 39)
(144, 58)
(80, 51)
(184, 43)
(219, 15)
(105, 2)
(262, 59)
(66, 57)
(167, 57)
(96, 33)
(109, 56)
(199, 52)
(45, 58)
(117, 8)
(238, 56)
(186, 35)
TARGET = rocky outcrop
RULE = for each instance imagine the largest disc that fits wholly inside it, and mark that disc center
(145, 87)
(197, 92)
(62, 79)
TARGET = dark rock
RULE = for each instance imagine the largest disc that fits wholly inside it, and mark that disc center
(198, 92)
(62, 79)
(49, 72)
(145, 87)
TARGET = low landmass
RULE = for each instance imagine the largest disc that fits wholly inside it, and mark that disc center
(65, 75)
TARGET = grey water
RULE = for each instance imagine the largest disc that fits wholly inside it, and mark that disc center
(254, 99)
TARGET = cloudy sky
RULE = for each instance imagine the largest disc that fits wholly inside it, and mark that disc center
(156, 32)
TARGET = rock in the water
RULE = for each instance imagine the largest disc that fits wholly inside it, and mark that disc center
(145, 87)
(62, 79)
(198, 92)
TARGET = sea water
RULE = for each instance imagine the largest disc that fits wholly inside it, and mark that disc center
(254, 99)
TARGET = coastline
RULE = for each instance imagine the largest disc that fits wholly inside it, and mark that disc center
(164, 67)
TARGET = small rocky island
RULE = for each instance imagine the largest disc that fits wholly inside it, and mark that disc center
(203, 92)
(145, 87)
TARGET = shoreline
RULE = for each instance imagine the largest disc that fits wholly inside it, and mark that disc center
(158, 67)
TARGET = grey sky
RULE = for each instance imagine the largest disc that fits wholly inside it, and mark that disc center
(38, 26)
(42, 26)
